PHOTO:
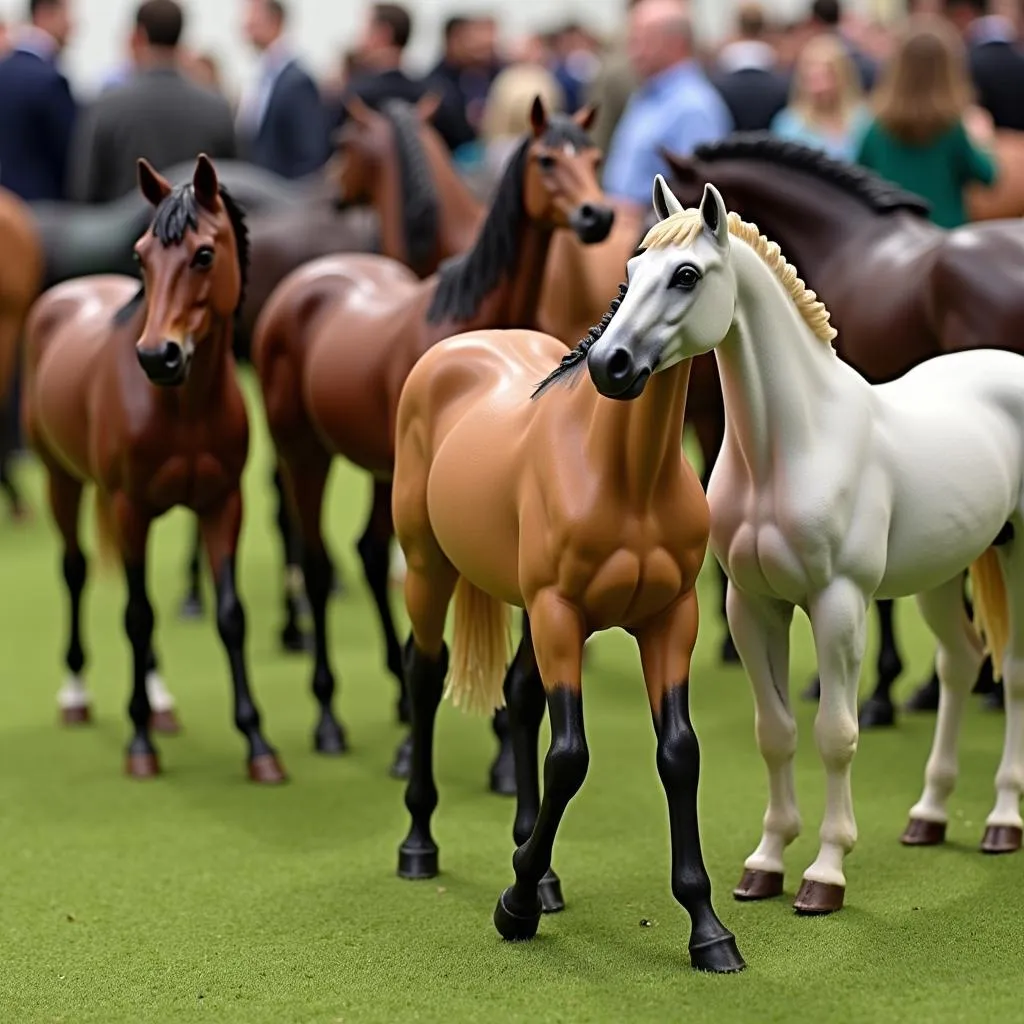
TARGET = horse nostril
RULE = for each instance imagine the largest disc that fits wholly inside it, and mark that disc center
(587, 211)
(620, 365)
(172, 355)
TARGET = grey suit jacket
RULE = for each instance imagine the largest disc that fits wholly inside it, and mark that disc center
(158, 114)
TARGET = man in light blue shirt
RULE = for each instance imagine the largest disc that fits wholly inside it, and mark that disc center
(676, 106)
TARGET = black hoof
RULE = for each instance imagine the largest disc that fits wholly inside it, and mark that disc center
(403, 715)
(510, 925)
(925, 697)
(503, 773)
(720, 956)
(877, 712)
(993, 700)
(294, 641)
(191, 608)
(401, 767)
(730, 656)
(329, 737)
(417, 862)
(550, 889)
(813, 691)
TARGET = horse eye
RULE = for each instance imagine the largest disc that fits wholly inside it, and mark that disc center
(203, 258)
(685, 278)
(545, 161)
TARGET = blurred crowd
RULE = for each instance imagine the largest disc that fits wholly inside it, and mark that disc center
(917, 100)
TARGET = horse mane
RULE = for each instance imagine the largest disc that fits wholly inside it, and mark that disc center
(174, 218)
(419, 196)
(571, 364)
(464, 281)
(880, 195)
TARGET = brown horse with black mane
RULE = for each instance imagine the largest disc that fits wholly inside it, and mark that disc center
(900, 289)
(135, 391)
(338, 339)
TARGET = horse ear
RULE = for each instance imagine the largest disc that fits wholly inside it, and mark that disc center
(715, 216)
(665, 203)
(153, 185)
(586, 116)
(427, 106)
(538, 117)
(204, 182)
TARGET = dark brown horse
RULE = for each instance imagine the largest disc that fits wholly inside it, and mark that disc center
(900, 289)
(338, 339)
(135, 391)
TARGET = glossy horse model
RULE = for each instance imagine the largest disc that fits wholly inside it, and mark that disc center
(134, 390)
(585, 514)
(338, 339)
(827, 491)
(21, 280)
(900, 290)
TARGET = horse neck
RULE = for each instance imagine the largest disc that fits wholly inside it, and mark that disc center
(776, 374)
(389, 204)
(212, 367)
(516, 300)
(639, 442)
(460, 213)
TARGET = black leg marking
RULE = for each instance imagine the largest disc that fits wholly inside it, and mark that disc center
(292, 636)
(192, 606)
(878, 709)
(138, 622)
(74, 577)
(329, 737)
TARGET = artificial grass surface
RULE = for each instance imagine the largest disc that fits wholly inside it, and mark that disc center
(199, 896)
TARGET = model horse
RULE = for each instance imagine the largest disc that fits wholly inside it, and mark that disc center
(585, 514)
(134, 390)
(338, 339)
(900, 289)
(1005, 198)
(21, 280)
(829, 490)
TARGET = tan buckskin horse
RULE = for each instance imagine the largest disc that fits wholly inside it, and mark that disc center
(135, 391)
(584, 513)
(21, 280)
(337, 340)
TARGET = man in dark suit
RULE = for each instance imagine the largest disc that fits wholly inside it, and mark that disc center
(996, 60)
(747, 77)
(158, 114)
(37, 112)
(282, 123)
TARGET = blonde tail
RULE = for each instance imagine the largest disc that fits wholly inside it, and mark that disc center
(480, 650)
(107, 548)
(991, 614)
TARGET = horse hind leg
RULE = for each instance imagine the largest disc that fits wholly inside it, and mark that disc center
(958, 660)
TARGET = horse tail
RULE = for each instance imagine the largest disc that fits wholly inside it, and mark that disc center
(480, 650)
(107, 548)
(991, 612)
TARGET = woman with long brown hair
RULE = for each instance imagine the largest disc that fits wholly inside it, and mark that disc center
(921, 136)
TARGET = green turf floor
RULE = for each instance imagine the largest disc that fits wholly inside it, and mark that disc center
(199, 896)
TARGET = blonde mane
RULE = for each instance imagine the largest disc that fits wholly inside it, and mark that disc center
(682, 229)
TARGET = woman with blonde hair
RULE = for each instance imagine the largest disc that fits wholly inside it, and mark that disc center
(924, 119)
(826, 107)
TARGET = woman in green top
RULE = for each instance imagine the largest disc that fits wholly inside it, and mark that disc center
(918, 137)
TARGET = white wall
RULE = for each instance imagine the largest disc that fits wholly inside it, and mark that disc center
(322, 28)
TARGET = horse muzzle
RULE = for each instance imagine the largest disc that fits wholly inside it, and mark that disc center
(618, 374)
(592, 222)
(166, 365)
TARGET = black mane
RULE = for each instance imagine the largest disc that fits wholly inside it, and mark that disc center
(419, 197)
(466, 280)
(572, 363)
(174, 218)
(880, 195)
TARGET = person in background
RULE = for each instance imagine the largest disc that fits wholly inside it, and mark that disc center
(748, 77)
(282, 122)
(204, 70)
(826, 17)
(826, 108)
(995, 59)
(5, 39)
(613, 84)
(675, 107)
(37, 110)
(159, 114)
(921, 135)
(575, 63)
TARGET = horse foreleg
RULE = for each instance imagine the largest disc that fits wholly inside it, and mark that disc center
(838, 620)
(666, 647)
(558, 636)
(958, 661)
(761, 628)
(164, 718)
(292, 636)
(220, 535)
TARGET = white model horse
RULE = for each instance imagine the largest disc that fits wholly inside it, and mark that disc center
(829, 492)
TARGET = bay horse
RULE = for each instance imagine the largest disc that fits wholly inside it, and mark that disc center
(829, 490)
(586, 515)
(337, 340)
(21, 280)
(134, 391)
(900, 289)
